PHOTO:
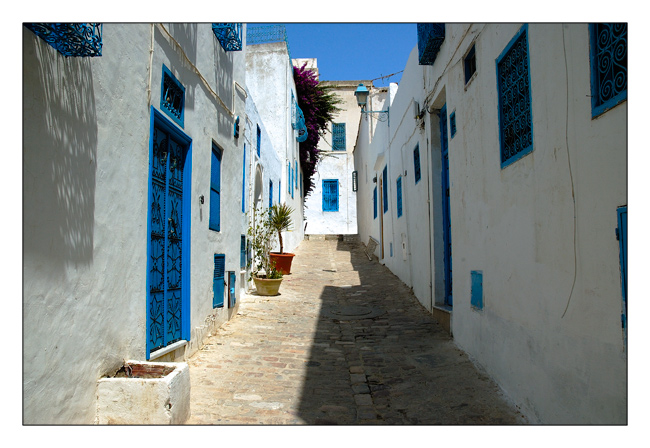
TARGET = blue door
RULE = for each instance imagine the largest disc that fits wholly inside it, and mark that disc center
(446, 222)
(168, 238)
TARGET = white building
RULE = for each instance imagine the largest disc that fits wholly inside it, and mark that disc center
(132, 171)
(521, 261)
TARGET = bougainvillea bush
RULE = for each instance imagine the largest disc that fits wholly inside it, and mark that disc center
(319, 106)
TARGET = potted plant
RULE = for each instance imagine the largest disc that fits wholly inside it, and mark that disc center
(263, 272)
(281, 221)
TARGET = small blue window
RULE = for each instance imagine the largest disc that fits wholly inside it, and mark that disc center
(215, 189)
(259, 140)
(338, 136)
(452, 123)
(608, 52)
(71, 39)
(399, 196)
(385, 192)
(470, 64)
(331, 195)
(477, 290)
(374, 203)
(416, 163)
(293, 174)
(218, 281)
(270, 195)
(242, 252)
(515, 115)
(172, 97)
(243, 184)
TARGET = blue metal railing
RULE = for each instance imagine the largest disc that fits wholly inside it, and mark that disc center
(266, 35)
(229, 35)
(71, 39)
(430, 38)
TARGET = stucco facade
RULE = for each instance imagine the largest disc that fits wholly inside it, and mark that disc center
(540, 230)
(88, 130)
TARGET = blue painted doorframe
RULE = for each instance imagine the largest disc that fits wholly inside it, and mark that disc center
(168, 234)
(446, 221)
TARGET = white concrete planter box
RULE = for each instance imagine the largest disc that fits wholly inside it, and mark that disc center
(157, 393)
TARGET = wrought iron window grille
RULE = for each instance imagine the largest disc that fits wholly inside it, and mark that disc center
(229, 35)
(338, 136)
(430, 38)
(71, 39)
(608, 52)
(172, 97)
(514, 93)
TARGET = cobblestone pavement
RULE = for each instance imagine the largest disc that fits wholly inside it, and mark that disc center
(345, 342)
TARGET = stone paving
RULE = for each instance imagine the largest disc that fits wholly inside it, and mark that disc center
(345, 343)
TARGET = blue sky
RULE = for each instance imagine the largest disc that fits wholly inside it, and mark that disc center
(353, 51)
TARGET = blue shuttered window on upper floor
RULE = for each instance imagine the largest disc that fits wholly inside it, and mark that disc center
(259, 140)
(374, 203)
(399, 196)
(172, 97)
(338, 136)
(218, 281)
(331, 195)
(71, 39)
(514, 93)
(608, 54)
(385, 188)
(416, 163)
(215, 189)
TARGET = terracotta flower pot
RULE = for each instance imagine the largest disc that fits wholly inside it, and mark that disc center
(267, 286)
(282, 262)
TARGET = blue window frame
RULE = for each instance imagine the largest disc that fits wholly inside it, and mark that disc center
(330, 195)
(218, 280)
(399, 196)
(470, 64)
(452, 123)
(172, 97)
(229, 35)
(259, 140)
(513, 86)
(71, 39)
(476, 300)
(338, 136)
(608, 54)
(215, 189)
(243, 184)
(374, 203)
(385, 192)
(416, 163)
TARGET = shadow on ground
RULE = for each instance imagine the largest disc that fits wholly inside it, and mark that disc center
(378, 357)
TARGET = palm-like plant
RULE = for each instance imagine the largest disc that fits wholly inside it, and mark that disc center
(280, 220)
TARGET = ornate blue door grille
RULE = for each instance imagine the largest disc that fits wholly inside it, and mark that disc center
(331, 195)
(515, 116)
(71, 39)
(165, 239)
(229, 35)
(338, 136)
(430, 38)
(446, 220)
(172, 97)
(608, 65)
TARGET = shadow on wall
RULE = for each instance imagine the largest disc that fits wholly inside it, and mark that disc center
(59, 155)
(402, 366)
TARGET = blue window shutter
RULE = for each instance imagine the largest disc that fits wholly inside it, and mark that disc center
(243, 185)
(331, 195)
(399, 196)
(477, 290)
(291, 184)
(374, 203)
(259, 140)
(385, 189)
(416, 163)
(242, 252)
(215, 190)
(218, 280)
(232, 289)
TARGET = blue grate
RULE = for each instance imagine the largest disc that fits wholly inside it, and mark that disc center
(338, 136)
(229, 35)
(172, 97)
(515, 116)
(608, 65)
(71, 39)
(430, 38)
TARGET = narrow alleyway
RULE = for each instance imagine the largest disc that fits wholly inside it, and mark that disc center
(345, 342)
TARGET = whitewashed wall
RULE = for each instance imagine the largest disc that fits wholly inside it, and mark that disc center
(269, 78)
(556, 349)
(336, 165)
(85, 190)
